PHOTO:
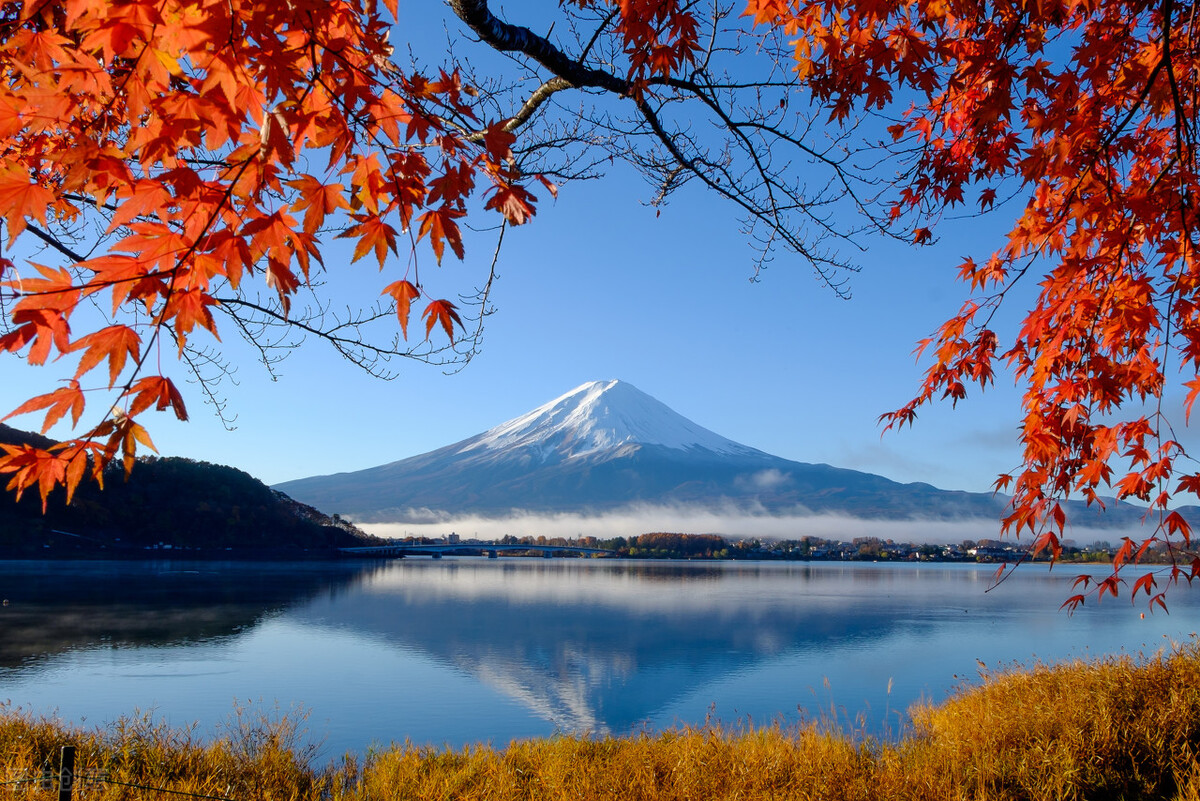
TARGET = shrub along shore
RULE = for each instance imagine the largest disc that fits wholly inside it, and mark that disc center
(1121, 728)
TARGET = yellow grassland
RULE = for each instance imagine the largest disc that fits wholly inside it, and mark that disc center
(1120, 728)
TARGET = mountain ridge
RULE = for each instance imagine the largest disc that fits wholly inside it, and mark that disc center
(605, 445)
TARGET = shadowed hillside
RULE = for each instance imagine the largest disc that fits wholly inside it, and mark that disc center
(169, 501)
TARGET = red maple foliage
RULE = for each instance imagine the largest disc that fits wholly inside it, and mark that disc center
(186, 131)
(210, 142)
(1088, 111)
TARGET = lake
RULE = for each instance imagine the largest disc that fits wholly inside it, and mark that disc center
(463, 650)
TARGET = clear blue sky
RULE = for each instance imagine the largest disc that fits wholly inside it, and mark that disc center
(598, 287)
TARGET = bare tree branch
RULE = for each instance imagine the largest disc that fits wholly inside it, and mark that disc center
(733, 136)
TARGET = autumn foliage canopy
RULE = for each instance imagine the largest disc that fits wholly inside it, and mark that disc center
(173, 159)
(169, 154)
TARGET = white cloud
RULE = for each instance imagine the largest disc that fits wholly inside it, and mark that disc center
(765, 479)
(729, 521)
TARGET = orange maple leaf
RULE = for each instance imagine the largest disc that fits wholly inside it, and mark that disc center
(60, 401)
(404, 292)
(317, 200)
(30, 466)
(40, 328)
(442, 311)
(440, 226)
(373, 234)
(21, 198)
(514, 201)
(114, 343)
(158, 391)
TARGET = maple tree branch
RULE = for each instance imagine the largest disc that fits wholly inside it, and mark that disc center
(600, 28)
(821, 263)
(54, 243)
(357, 349)
(481, 299)
(196, 359)
(1183, 140)
(256, 337)
(765, 174)
(535, 101)
(777, 210)
(1135, 107)
(508, 38)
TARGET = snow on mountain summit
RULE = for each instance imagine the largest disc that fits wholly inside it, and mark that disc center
(601, 416)
(608, 446)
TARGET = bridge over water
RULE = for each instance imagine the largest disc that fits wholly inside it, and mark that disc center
(437, 550)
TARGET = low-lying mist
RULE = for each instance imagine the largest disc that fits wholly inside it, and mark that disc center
(729, 522)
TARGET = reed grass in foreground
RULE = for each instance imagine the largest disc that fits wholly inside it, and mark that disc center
(1115, 729)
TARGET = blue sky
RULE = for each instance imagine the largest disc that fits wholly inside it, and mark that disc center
(598, 286)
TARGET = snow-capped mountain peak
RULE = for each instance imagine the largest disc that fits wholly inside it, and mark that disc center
(608, 446)
(601, 416)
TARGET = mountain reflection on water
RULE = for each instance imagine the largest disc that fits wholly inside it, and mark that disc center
(597, 647)
(462, 650)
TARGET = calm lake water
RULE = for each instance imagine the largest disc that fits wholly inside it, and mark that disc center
(467, 650)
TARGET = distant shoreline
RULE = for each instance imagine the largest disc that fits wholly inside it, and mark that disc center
(333, 555)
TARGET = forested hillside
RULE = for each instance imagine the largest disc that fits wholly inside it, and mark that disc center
(173, 502)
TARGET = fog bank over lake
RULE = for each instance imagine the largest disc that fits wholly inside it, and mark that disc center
(728, 521)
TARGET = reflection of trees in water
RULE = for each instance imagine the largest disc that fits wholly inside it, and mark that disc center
(649, 571)
(59, 606)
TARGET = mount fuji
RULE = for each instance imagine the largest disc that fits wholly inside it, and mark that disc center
(605, 446)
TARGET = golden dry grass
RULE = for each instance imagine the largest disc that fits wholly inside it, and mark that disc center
(1115, 729)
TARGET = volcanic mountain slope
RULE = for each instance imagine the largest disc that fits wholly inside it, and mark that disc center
(607, 445)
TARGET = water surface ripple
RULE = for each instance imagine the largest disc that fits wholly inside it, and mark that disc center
(468, 650)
